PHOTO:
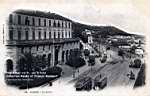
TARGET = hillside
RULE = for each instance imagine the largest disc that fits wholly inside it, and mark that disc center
(102, 31)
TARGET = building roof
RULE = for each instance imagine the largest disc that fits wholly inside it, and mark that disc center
(42, 14)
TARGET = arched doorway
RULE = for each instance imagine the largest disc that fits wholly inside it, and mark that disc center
(9, 65)
(44, 63)
(56, 55)
(63, 55)
(67, 55)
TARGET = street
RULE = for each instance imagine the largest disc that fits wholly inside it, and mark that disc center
(116, 73)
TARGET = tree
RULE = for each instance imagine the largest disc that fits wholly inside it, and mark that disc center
(91, 61)
(25, 63)
(75, 60)
(132, 50)
(30, 63)
(86, 52)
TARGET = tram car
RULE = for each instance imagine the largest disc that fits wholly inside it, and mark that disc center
(84, 84)
(100, 81)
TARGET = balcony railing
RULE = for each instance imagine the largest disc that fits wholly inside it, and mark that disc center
(41, 42)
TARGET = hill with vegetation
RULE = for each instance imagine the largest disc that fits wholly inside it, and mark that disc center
(102, 31)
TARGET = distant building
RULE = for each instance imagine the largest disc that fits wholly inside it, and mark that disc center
(122, 37)
(39, 33)
(88, 33)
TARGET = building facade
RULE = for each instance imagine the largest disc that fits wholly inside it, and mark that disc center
(88, 33)
(39, 33)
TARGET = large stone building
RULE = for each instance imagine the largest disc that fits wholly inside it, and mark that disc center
(39, 33)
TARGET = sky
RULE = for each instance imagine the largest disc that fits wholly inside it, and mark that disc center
(127, 15)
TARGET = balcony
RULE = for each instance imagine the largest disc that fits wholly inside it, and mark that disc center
(40, 42)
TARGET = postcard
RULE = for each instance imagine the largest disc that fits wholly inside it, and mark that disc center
(74, 48)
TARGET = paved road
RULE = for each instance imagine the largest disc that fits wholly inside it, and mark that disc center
(116, 73)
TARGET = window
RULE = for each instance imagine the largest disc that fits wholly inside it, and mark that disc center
(39, 22)
(19, 35)
(33, 34)
(44, 22)
(58, 34)
(66, 24)
(49, 35)
(49, 47)
(49, 22)
(10, 18)
(70, 52)
(54, 24)
(39, 34)
(19, 19)
(49, 59)
(45, 35)
(11, 34)
(69, 25)
(58, 24)
(54, 35)
(27, 34)
(69, 33)
(27, 21)
(63, 55)
(62, 34)
(33, 21)
(67, 55)
(62, 24)
(66, 34)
